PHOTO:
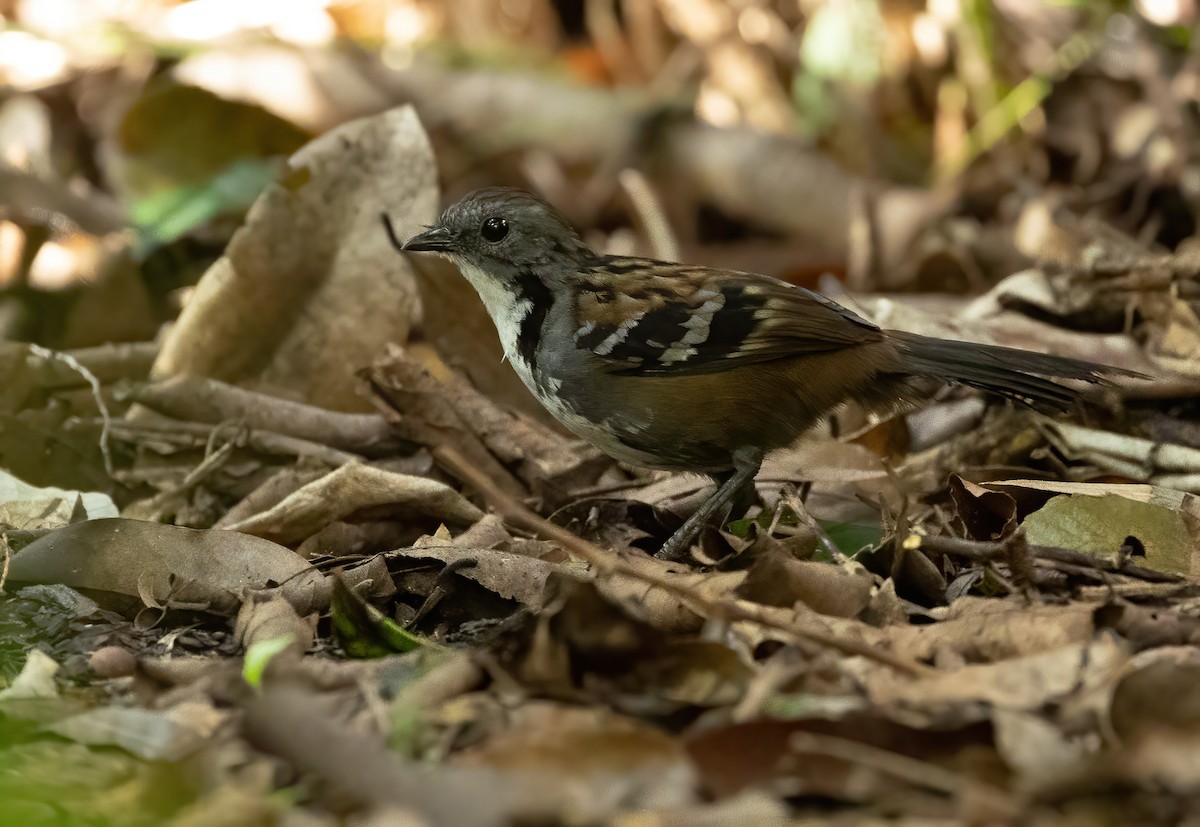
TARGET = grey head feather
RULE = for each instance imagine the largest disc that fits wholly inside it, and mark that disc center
(538, 240)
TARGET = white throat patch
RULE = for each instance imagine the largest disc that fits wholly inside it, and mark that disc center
(507, 311)
(505, 308)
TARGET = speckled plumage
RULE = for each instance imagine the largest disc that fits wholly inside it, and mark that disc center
(694, 368)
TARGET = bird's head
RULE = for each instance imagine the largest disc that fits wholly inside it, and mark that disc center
(502, 232)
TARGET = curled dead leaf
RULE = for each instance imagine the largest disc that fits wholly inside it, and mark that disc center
(170, 564)
(350, 489)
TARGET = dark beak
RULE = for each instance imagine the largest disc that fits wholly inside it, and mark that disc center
(433, 240)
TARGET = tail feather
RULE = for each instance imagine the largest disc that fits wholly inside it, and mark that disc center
(1021, 375)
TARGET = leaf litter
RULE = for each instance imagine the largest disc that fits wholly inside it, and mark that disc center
(333, 565)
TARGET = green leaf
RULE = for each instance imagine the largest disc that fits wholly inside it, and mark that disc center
(182, 155)
(843, 41)
(364, 631)
(173, 213)
(260, 655)
(1100, 525)
(852, 537)
(849, 537)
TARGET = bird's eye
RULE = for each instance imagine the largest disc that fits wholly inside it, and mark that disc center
(494, 230)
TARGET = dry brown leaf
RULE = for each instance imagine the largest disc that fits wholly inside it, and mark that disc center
(694, 673)
(271, 492)
(1036, 750)
(985, 515)
(1156, 715)
(662, 609)
(311, 288)
(772, 754)
(977, 629)
(511, 576)
(841, 590)
(1024, 683)
(177, 565)
(353, 488)
(590, 760)
(777, 619)
(1150, 494)
(267, 615)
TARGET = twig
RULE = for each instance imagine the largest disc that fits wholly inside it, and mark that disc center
(911, 770)
(7, 550)
(440, 589)
(212, 461)
(610, 564)
(117, 360)
(650, 212)
(793, 501)
(195, 434)
(1134, 590)
(97, 393)
(93, 212)
(1020, 561)
(198, 399)
(516, 514)
(429, 412)
(982, 550)
(994, 572)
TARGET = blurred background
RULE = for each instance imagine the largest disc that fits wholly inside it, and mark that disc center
(1021, 172)
(898, 145)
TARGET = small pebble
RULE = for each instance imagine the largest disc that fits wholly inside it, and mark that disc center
(112, 662)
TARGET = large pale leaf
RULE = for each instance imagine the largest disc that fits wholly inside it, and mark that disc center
(310, 288)
(167, 563)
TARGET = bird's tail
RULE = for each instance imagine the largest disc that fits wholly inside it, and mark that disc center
(1017, 374)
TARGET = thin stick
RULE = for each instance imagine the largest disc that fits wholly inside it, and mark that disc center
(194, 434)
(517, 514)
(985, 551)
(650, 212)
(609, 564)
(97, 393)
(7, 549)
(793, 501)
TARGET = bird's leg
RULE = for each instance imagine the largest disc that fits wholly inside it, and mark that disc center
(746, 463)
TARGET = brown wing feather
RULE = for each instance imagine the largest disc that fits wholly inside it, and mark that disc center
(649, 317)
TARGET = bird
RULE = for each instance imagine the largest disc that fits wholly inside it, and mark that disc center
(698, 369)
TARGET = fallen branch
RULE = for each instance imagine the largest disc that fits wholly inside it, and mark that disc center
(434, 408)
(198, 399)
(197, 435)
